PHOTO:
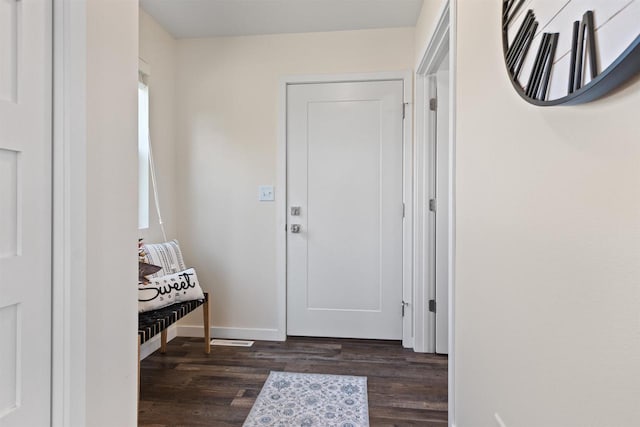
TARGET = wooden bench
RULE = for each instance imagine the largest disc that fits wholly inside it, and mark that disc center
(152, 323)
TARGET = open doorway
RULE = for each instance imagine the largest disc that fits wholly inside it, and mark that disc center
(439, 203)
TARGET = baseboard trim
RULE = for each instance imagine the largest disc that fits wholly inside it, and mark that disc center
(154, 343)
(256, 334)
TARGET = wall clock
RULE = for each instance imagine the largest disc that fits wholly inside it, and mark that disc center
(567, 52)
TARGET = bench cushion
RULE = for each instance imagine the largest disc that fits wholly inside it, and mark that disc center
(153, 322)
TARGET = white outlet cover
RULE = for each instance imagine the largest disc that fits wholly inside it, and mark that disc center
(266, 193)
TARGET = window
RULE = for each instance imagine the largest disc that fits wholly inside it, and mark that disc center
(143, 154)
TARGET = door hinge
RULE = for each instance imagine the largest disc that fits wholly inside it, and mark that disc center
(404, 110)
(432, 205)
(433, 104)
(432, 305)
(404, 305)
(403, 210)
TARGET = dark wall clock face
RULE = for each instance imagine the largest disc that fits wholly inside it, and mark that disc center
(570, 51)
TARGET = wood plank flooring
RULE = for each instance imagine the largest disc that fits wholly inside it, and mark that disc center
(186, 387)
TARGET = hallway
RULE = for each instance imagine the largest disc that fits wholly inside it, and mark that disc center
(189, 388)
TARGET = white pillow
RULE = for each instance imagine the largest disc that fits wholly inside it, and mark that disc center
(166, 255)
(170, 289)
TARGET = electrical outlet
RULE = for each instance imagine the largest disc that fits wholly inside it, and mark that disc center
(266, 193)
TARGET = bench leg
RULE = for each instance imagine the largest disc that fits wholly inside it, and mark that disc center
(207, 329)
(163, 341)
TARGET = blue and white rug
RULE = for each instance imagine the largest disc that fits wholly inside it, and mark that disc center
(306, 400)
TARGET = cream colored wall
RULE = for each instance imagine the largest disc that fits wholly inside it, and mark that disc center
(548, 248)
(111, 164)
(227, 110)
(159, 49)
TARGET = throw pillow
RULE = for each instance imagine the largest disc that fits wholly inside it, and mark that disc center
(167, 255)
(170, 289)
(145, 270)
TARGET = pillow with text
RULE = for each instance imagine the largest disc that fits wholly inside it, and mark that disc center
(170, 289)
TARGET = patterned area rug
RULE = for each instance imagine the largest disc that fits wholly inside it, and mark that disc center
(306, 400)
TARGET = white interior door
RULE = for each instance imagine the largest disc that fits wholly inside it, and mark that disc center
(344, 192)
(442, 208)
(25, 212)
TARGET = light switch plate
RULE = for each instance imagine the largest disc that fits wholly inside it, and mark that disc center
(266, 193)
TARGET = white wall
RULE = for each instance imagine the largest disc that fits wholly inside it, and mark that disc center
(112, 62)
(227, 98)
(548, 248)
(158, 49)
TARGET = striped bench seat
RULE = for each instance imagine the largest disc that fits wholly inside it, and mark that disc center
(151, 323)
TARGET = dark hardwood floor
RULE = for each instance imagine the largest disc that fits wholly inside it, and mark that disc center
(186, 387)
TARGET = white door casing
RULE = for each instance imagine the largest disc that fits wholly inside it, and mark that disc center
(442, 208)
(344, 172)
(433, 269)
(442, 41)
(25, 212)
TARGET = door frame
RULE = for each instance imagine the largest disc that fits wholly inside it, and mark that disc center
(424, 249)
(68, 296)
(442, 40)
(407, 192)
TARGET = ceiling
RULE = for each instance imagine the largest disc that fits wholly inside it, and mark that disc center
(213, 18)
